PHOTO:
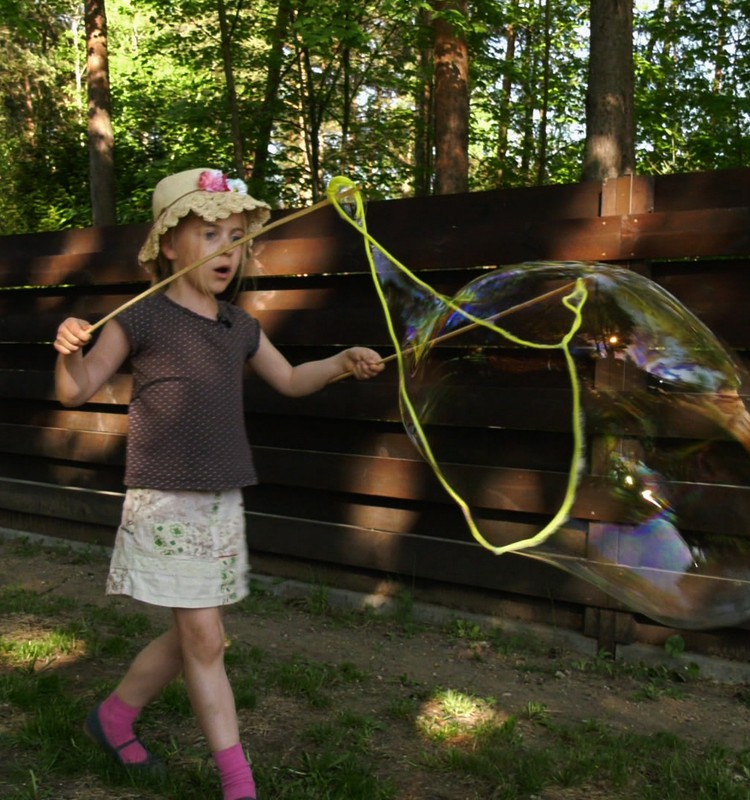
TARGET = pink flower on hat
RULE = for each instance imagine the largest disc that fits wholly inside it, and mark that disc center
(213, 180)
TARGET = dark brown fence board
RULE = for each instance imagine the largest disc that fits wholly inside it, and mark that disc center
(689, 233)
(727, 188)
(717, 292)
(38, 385)
(58, 443)
(97, 477)
(72, 269)
(459, 563)
(81, 505)
(490, 488)
(84, 240)
(452, 562)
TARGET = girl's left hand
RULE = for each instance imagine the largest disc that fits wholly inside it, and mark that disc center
(362, 362)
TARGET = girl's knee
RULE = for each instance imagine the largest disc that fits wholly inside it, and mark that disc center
(201, 634)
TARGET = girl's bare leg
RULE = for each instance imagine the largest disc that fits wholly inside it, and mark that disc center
(201, 635)
(156, 666)
(111, 723)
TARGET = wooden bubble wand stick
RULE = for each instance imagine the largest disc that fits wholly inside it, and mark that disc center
(184, 271)
(471, 326)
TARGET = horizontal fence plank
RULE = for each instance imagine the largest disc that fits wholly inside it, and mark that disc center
(718, 509)
(111, 239)
(485, 228)
(79, 505)
(700, 233)
(722, 188)
(541, 409)
(434, 559)
(17, 384)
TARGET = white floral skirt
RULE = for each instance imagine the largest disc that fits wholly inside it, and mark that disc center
(181, 549)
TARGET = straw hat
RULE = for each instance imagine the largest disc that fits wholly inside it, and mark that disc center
(206, 192)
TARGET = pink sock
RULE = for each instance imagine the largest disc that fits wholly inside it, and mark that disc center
(117, 719)
(236, 776)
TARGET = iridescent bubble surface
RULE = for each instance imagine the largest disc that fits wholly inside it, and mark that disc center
(660, 515)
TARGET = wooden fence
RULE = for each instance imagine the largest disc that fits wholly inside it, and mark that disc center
(344, 492)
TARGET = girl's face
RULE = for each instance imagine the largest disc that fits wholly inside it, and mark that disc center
(194, 238)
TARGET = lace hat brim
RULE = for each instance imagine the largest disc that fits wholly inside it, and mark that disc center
(178, 195)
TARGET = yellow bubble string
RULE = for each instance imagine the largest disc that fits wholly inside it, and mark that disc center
(342, 187)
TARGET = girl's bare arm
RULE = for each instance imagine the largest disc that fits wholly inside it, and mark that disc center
(312, 376)
(79, 376)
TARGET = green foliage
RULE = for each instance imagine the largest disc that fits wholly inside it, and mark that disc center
(692, 68)
(334, 88)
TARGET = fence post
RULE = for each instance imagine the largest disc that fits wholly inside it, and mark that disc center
(623, 196)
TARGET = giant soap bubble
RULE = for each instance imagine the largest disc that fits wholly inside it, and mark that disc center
(658, 476)
(651, 493)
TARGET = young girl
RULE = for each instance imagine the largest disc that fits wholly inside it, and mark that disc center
(181, 541)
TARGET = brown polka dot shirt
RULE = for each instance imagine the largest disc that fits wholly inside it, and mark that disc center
(186, 424)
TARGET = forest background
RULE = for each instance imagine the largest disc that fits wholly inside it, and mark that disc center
(403, 96)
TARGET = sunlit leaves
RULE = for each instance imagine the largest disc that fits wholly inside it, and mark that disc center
(693, 102)
(351, 75)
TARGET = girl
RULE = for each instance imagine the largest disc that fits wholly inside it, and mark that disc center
(181, 541)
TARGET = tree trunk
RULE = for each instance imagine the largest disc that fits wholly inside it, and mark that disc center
(610, 128)
(234, 111)
(270, 97)
(541, 173)
(505, 99)
(424, 110)
(451, 101)
(530, 69)
(101, 137)
(312, 116)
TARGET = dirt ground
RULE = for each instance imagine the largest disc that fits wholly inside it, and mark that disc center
(705, 712)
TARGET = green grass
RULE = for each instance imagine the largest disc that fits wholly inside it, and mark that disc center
(330, 729)
(311, 680)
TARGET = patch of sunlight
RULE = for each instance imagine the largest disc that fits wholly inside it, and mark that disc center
(450, 715)
(28, 644)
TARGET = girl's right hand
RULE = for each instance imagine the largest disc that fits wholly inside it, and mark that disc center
(72, 335)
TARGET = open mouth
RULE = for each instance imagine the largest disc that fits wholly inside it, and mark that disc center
(223, 272)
